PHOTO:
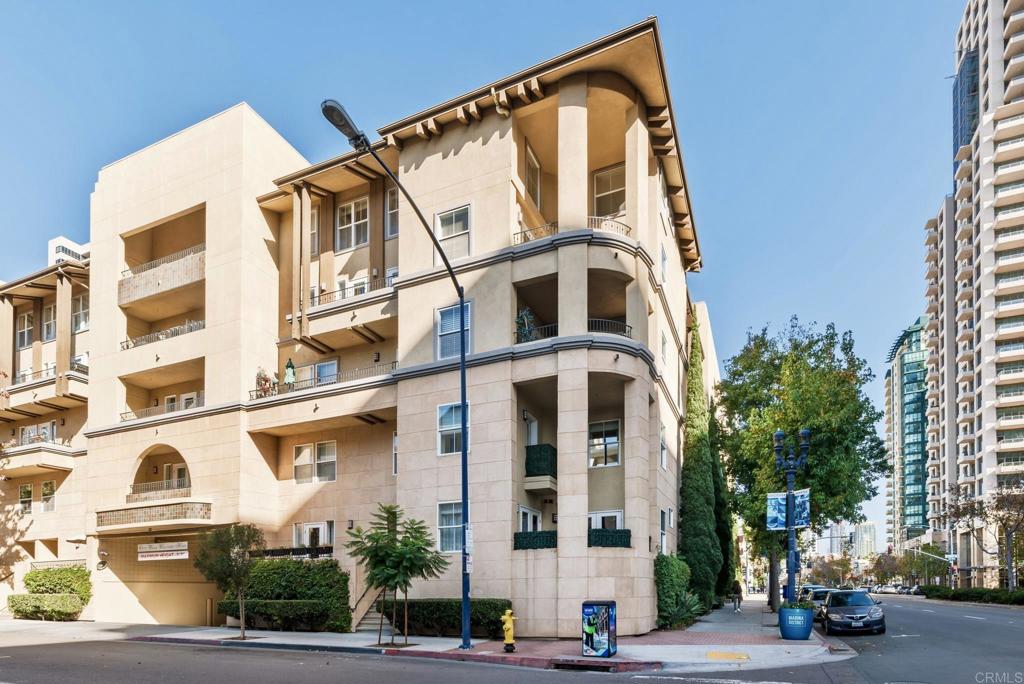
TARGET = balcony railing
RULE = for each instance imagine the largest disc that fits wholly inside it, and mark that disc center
(33, 439)
(161, 489)
(50, 564)
(192, 510)
(608, 225)
(279, 388)
(602, 223)
(163, 274)
(355, 290)
(547, 230)
(537, 332)
(134, 414)
(25, 377)
(540, 539)
(541, 460)
(609, 538)
(601, 325)
(298, 552)
(183, 329)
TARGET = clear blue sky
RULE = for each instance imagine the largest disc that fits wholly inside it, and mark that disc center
(817, 136)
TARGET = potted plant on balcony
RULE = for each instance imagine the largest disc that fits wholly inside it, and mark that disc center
(796, 620)
(264, 384)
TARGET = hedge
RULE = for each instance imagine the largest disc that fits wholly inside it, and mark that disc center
(286, 579)
(66, 580)
(62, 607)
(280, 615)
(975, 594)
(443, 617)
(671, 580)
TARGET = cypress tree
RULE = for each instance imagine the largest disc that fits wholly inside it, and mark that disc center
(698, 542)
(723, 516)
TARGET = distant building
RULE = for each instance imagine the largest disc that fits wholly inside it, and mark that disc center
(864, 540)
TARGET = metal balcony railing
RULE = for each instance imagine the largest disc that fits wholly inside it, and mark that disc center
(602, 223)
(536, 233)
(601, 325)
(537, 332)
(175, 256)
(279, 388)
(298, 552)
(161, 489)
(606, 224)
(161, 275)
(354, 290)
(134, 414)
(168, 333)
(47, 565)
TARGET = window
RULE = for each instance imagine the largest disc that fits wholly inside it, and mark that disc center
(314, 231)
(664, 264)
(188, 400)
(49, 323)
(394, 453)
(664, 348)
(171, 403)
(605, 520)
(604, 444)
(25, 324)
(449, 527)
(352, 225)
(532, 176)
(313, 534)
(663, 448)
(449, 429)
(25, 498)
(610, 191)
(671, 518)
(316, 374)
(390, 275)
(448, 322)
(47, 492)
(529, 519)
(324, 470)
(452, 223)
(79, 313)
(391, 214)
(662, 532)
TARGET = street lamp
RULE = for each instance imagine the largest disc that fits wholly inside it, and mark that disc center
(339, 118)
(790, 464)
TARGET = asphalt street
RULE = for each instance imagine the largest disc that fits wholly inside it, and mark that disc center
(926, 641)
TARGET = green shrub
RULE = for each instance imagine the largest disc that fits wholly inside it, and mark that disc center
(280, 615)
(286, 579)
(68, 580)
(63, 607)
(443, 617)
(689, 608)
(975, 595)
(671, 580)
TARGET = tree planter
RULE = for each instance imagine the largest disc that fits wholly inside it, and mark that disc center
(796, 624)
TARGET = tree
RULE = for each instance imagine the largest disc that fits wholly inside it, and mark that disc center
(225, 557)
(884, 568)
(698, 545)
(800, 378)
(921, 568)
(394, 551)
(831, 572)
(1000, 512)
(723, 514)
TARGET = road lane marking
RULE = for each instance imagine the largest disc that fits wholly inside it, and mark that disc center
(927, 610)
(972, 617)
(901, 636)
(700, 680)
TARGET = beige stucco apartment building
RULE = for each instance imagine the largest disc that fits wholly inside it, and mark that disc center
(274, 342)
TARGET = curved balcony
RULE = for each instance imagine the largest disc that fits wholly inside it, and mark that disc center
(596, 223)
(604, 326)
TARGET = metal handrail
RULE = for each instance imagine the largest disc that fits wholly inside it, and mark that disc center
(607, 224)
(536, 233)
(356, 290)
(601, 325)
(279, 388)
(176, 256)
(160, 410)
(69, 563)
(538, 332)
(159, 486)
(26, 377)
(183, 329)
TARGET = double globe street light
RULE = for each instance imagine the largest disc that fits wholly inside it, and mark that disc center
(339, 118)
(790, 463)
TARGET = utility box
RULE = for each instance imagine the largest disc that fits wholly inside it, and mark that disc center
(599, 629)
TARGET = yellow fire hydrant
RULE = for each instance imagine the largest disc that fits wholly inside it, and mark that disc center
(509, 628)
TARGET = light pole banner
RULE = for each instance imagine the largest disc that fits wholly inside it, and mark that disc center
(777, 511)
(802, 508)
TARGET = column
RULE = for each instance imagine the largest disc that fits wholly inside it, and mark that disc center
(573, 207)
(377, 228)
(63, 314)
(328, 276)
(6, 340)
(296, 261)
(638, 305)
(573, 495)
(638, 152)
(37, 335)
(305, 225)
(572, 289)
(637, 611)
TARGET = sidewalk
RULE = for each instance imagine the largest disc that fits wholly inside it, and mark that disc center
(719, 641)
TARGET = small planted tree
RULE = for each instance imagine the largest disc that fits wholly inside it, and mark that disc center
(225, 556)
(394, 552)
(1001, 512)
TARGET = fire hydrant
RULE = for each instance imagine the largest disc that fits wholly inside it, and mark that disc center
(509, 628)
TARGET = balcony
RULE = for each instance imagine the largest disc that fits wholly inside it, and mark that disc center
(931, 269)
(36, 393)
(965, 333)
(161, 489)
(932, 305)
(604, 326)
(964, 250)
(176, 331)
(596, 223)
(1008, 172)
(1011, 7)
(932, 287)
(609, 538)
(964, 312)
(964, 210)
(964, 230)
(537, 332)
(274, 389)
(1007, 327)
(1010, 215)
(178, 515)
(298, 553)
(346, 294)
(540, 539)
(964, 190)
(362, 311)
(963, 170)
(1013, 126)
(964, 271)
(541, 468)
(164, 409)
(964, 292)
(1014, 46)
(159, 278)
(35, 456)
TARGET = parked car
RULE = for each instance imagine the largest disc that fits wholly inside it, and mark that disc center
(888, 589)
(852, 611)
(916, 590)
(817, 597)
(807, 589)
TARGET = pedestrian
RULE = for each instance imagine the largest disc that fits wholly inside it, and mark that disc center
(737, 596)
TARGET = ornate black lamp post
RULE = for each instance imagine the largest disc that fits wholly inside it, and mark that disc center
(790, 464)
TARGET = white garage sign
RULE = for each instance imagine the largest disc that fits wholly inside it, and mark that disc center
(165, 551)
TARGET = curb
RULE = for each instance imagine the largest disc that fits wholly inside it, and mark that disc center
(272, 645)
(947, 602)
(600, 664)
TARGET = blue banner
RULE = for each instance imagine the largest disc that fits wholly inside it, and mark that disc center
(777, 509)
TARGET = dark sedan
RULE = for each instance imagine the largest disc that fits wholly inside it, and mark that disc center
(852, 611)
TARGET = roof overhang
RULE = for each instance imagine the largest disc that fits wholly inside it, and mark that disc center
(43, 283)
